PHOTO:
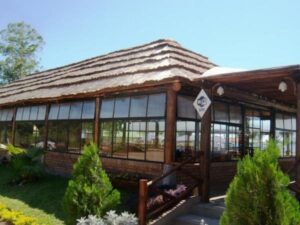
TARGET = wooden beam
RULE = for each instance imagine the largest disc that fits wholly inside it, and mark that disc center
(205, 150)
(171, 124)
(46, 127)
(250, 98)
(97, 121)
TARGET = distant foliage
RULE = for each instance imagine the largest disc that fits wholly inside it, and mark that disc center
(27, 164)
(19, 45)
(258, 195)
(111, 218)
(90, 191)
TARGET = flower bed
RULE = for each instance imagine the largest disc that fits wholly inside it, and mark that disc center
(15, 217)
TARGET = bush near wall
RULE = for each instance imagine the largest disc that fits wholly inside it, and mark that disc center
(15, 217)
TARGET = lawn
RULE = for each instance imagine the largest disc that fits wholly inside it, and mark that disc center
(42, 199)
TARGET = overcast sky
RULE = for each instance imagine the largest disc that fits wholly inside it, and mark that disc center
(242, 33)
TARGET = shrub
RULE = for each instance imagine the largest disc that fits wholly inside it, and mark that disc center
(111, 218)
(27, 164)
(89, 192)
(15, 217)
(258, 194)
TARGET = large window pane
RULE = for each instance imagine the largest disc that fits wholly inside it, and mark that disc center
(4, 115)
(30, 134)
(76, 109)
(62, 136)
(120, 139)
(185, 140)
(235, 114)
(121, 107)
(107, 108)
(5, 132)
(156, 105)
(279, 121)
(42, 112)
(33, 113)
(136, 143)
(53, 112)
(26, 113)
(287, 122)
(155, 141)
(64, 110)
(74, 136)
(185, 107)
(221, 112)
(88, 110)
(138, 106)
(87, 133)
(106, 138)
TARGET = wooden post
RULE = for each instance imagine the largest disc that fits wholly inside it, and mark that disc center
(97, 121)
(171, 122)
(205, 151)
(143, 198)
(298, 137)
(46, 127)
(13, 132)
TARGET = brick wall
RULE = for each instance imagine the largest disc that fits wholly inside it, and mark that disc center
(220, 172)
(61, 163)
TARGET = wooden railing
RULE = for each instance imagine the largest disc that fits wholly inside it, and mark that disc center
(155, 198)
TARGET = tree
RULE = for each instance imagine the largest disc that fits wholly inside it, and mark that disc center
(19, 44)
(258, 195)
(89, 192)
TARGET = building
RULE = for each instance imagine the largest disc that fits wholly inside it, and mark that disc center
(137, 105)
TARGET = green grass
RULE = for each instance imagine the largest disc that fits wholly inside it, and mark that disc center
(42, 199)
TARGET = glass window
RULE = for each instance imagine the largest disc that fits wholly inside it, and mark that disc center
(88, 110)
(33, 113)
(138, 106)
(53, 112)
(185, 107)
(74, 143)
(235, 114)
(10, 115)
(185, 140)
(5, 132)
(87, 133)
(294, 123)
(4, 115)
(136, 143)
(155, 141)
(120, 139)
(30, 134)
(107, 108)
(287, 122)
(106, 138)
(64, 110)
(76, 109)
(121, 107)
(42, 112)
(221, 112)
(279, 121)
(19, 113)
(156, 105)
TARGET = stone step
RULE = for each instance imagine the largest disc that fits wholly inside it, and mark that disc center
(191, 219)
(210, 210)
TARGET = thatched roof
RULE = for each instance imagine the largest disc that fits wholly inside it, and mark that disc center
(154, 62)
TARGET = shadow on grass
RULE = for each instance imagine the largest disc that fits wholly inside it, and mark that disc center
(46, 194)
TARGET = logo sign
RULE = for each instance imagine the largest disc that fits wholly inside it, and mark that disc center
(201, 103)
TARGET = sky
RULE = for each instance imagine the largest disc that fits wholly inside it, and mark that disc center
(245, 34)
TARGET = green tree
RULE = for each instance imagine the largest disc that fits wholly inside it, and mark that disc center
(258, 195)
(89, 192)
(19, 45)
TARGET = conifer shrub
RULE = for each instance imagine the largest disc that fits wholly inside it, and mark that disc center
(90, 191)
(258, 194)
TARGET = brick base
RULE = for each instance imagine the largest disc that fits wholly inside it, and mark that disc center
(220, 172)
(62, 164)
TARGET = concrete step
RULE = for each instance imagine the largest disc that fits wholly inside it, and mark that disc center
(191, 219)
(210, 210)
